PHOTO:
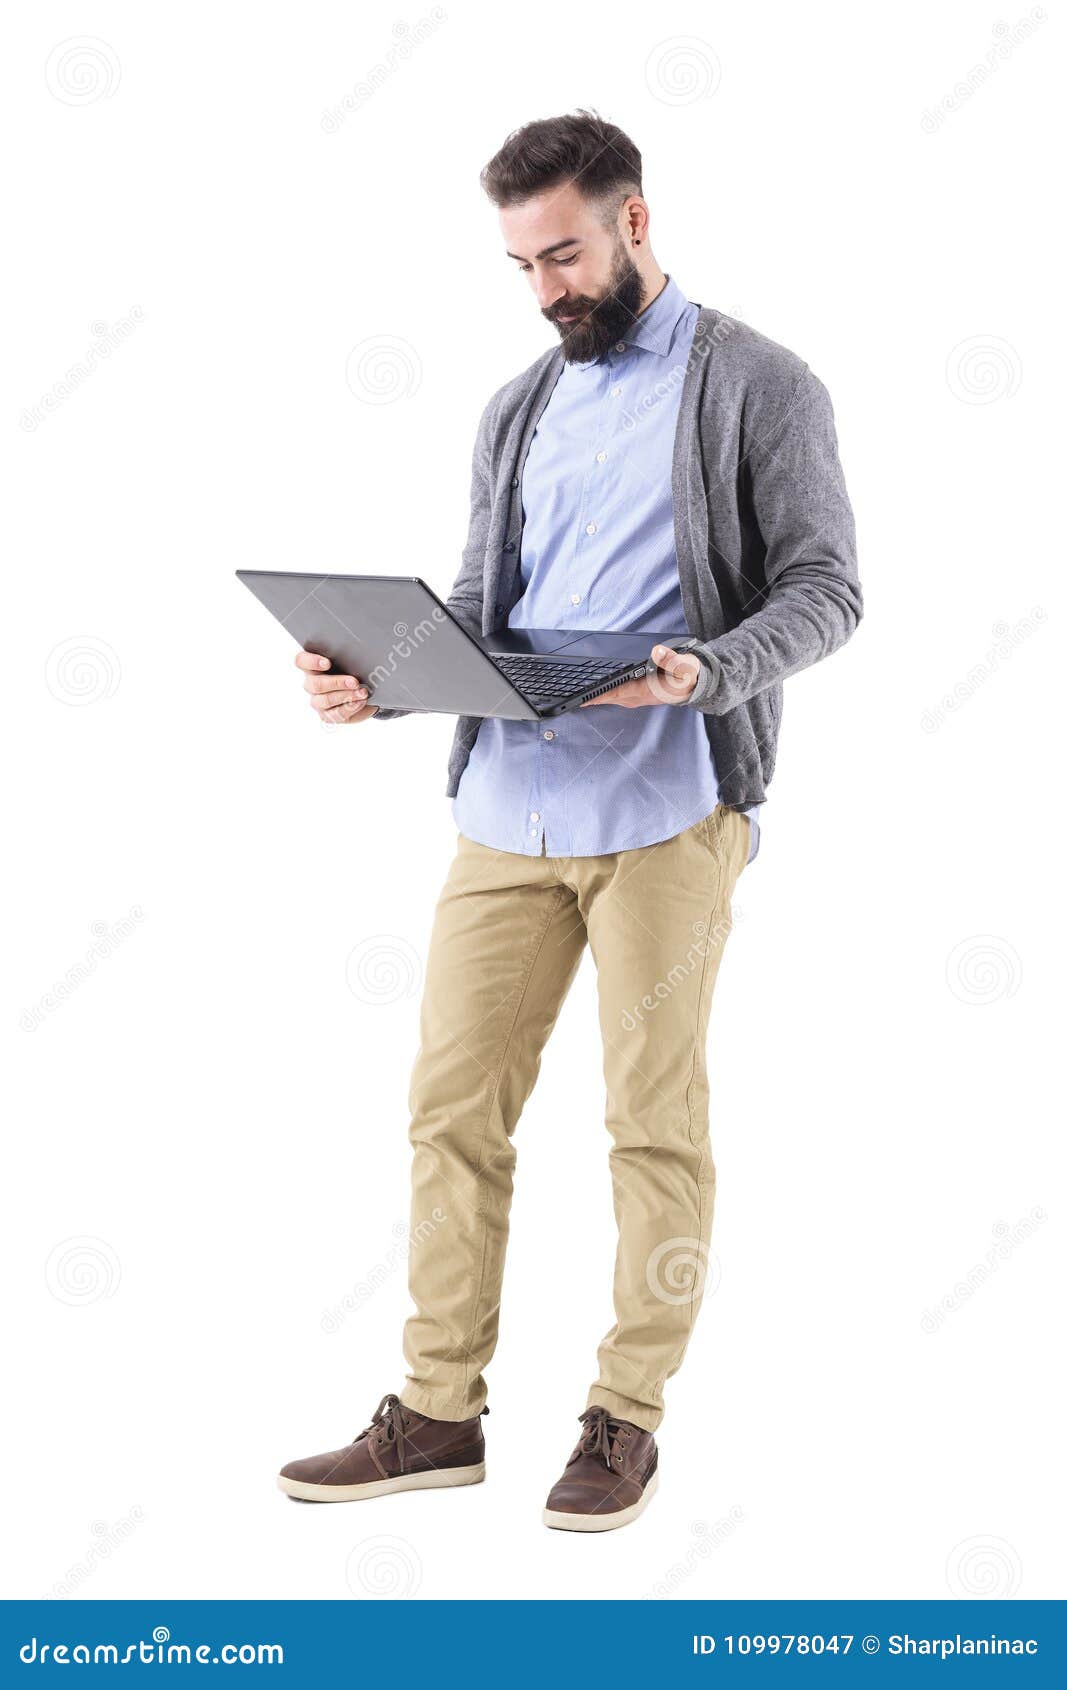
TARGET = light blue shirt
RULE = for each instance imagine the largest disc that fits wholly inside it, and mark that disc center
(598, 553)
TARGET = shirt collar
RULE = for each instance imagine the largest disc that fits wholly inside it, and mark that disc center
(654, 328)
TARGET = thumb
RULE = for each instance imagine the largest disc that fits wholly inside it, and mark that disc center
(681, 672)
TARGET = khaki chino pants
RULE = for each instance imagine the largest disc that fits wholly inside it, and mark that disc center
(507, 939)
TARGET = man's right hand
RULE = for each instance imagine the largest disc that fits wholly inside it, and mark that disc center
(336, 698)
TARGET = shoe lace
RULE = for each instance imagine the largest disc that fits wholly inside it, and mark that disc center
(389, 1420)
(601, 1430)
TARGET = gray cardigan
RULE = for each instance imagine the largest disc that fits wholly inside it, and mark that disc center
(763, 530)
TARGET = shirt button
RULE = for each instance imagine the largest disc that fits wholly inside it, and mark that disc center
(590, 527)
(601, 457)
(576, 598)
(549, 734)
(620, 346)
(535, 815)
(616, 392)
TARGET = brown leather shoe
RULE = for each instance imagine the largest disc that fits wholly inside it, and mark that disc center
(400, 1450)
(609, 1478)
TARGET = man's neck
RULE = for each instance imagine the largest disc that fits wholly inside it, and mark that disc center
(652, 286)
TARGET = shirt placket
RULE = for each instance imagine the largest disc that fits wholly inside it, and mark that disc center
(550, 798)
(590, 514)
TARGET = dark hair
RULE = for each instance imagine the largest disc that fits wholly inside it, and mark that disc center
(581, 147)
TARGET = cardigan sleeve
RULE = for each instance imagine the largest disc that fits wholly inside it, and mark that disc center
(813, 601)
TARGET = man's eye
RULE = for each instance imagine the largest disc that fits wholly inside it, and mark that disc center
(526, 268)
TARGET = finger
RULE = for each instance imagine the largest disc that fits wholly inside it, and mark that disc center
(677, 670)
(611, 697)
(631, 693)
(322, 701)
(347, 712)
(334, 683)
(674, 662)
(664, 658)
(311, 660)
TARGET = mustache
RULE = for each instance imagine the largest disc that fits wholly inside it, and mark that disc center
(580, 310)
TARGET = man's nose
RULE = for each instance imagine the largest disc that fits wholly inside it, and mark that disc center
(548, 292)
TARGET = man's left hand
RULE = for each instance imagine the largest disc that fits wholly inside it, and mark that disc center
(674, 679)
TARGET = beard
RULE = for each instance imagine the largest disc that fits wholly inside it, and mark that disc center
(600, 322)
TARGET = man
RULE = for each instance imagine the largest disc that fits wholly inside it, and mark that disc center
(664, 468)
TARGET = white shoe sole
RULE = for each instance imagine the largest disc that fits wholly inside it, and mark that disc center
(564, 1522)
(437, 1478)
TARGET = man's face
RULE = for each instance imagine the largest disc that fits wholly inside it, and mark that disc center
(581, 273)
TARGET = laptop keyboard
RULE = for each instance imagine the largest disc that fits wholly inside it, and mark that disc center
(539, 677)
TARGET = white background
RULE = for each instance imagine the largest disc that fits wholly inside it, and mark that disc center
(207, 1136)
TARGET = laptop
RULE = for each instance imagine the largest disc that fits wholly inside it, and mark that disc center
(396, 635)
